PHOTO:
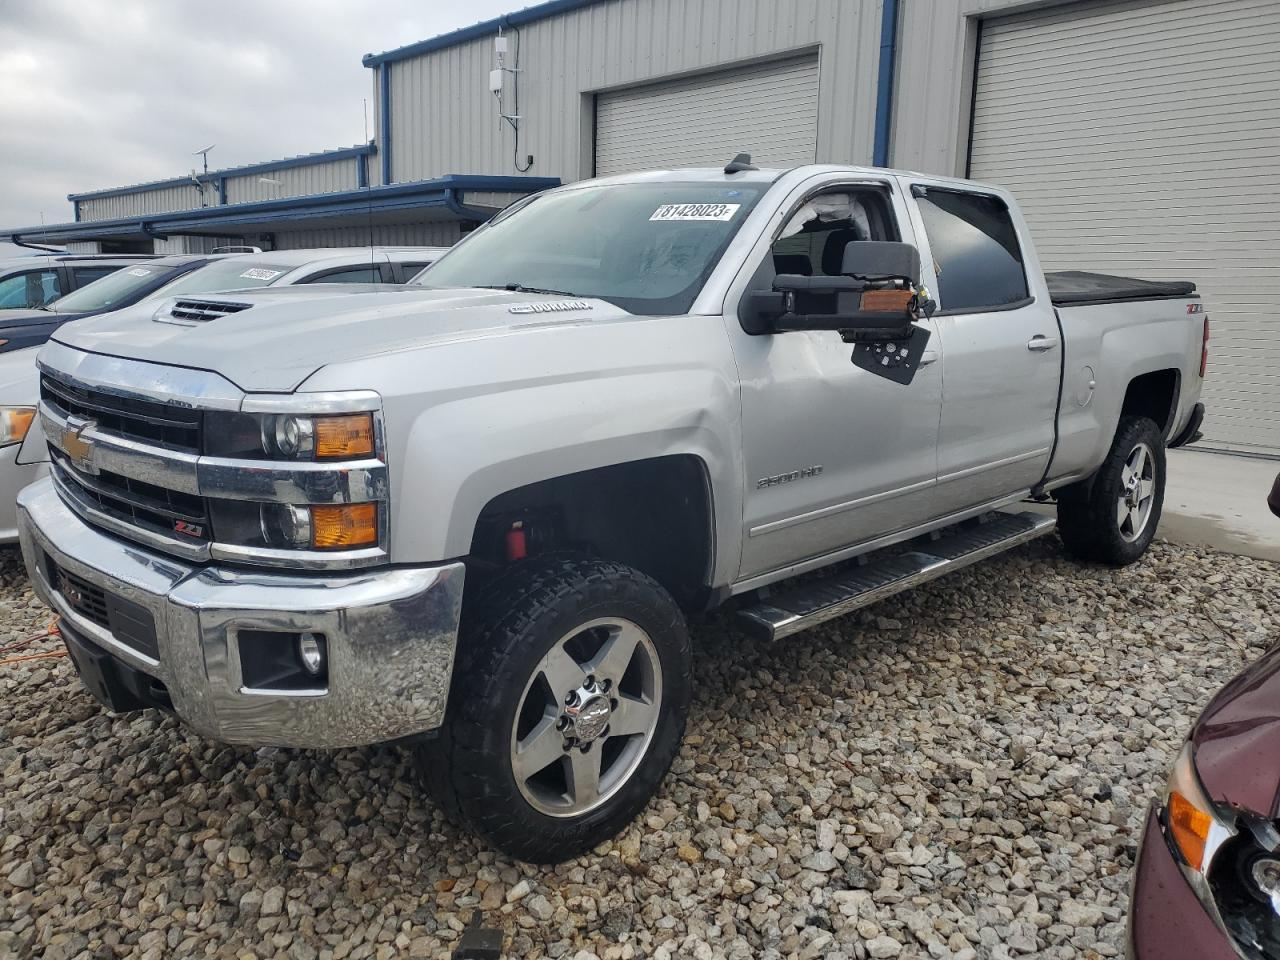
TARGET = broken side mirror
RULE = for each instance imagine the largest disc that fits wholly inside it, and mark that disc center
(874, 299)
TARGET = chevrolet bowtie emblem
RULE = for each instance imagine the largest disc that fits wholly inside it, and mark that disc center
(78, 447)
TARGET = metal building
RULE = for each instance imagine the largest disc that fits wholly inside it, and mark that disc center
(1142, 136)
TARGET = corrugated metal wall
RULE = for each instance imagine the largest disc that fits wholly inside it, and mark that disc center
(1144, 139)
(164, 200)
(442, 233)
(299, 181)
(930, 131)
(445, 120)
(768, 108)
(294, 181)
(180, 245)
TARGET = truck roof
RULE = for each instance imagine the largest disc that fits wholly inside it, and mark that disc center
(771, 174)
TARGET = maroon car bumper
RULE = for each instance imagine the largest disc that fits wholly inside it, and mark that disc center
(1166, 919)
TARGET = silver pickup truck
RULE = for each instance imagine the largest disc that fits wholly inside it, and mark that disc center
(474, 517)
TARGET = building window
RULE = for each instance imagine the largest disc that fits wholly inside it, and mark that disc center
(975, 251)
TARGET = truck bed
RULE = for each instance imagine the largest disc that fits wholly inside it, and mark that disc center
(1078, 287)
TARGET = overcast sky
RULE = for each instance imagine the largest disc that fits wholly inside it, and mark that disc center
(102, 93)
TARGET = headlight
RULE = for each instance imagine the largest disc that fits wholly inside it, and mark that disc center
(1195, 827)
(14, 424)
(289, 436)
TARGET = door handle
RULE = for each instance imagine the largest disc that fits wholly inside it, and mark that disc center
(1040, 343)
(928, 357)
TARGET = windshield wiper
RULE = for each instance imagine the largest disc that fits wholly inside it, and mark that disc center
(521, 288)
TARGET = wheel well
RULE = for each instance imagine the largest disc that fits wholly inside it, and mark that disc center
(654, 515)
(1153, 395)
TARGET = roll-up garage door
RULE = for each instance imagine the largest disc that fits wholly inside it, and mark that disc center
(1144, 139)
(768, 110)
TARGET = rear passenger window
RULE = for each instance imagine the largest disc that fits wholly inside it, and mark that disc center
(353, 275)
(86, 275)
(975, 250)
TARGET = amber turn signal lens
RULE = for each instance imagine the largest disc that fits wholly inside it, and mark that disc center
(1189, 827)
(884, 301)
(15, 422)
(345, 436)
(345, 526)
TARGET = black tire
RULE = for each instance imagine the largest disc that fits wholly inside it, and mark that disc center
(1089, 520)
(521, 617)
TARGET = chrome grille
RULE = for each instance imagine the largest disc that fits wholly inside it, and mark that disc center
(133, 501)
(129, 448)
(145, 421)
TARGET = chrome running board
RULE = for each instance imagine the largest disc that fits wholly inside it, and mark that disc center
(881, 575)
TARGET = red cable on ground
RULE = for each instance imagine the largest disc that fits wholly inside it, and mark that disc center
(51, 633)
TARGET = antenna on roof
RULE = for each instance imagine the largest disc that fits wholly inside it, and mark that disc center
(740, 163)
(205, 154)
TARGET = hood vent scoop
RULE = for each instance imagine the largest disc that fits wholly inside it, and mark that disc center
(188, 313)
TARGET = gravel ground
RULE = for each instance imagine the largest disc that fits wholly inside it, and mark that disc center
(959, 772)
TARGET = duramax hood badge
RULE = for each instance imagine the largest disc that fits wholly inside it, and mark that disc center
(550, 306)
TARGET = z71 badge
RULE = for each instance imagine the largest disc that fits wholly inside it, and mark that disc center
(794, 475)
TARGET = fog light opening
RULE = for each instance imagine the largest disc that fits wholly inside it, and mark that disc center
(311, 653)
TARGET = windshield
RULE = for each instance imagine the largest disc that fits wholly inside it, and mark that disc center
(647, 247)
(237, 273)
(114, 290)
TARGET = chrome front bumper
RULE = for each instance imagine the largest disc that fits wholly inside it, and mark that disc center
(390, 632)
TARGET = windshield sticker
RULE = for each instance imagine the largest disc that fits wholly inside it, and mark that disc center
(139, 272)
(260, 273)
(722, 212)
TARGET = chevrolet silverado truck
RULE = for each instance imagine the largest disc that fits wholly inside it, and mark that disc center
(473, 517)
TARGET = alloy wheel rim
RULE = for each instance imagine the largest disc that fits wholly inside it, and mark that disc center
(1137, 492)
(586, 717)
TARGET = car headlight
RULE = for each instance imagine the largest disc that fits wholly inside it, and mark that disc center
(1195, 827)
(14, 424)
(289, 436)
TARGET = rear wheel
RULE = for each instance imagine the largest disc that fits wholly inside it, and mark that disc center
(567, 707)
(1112, 518)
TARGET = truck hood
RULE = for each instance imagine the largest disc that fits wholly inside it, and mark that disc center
(1237, 740)
(277, 338)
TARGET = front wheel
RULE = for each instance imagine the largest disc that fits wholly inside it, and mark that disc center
(1113, 518)
(568, 705)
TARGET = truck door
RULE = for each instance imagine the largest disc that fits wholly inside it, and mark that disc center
(1000, 342)
(834, 455)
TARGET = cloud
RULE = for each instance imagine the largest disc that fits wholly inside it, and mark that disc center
(103, 93)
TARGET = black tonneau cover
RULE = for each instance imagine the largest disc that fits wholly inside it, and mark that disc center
(1068, 287)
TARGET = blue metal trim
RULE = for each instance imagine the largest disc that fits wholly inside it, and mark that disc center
(362, 172)
(528, 15)
(222, 190)
(884, 82)
(311, 159)
(463, 212)
(384, 120)
(443, 191)
(75, 210)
